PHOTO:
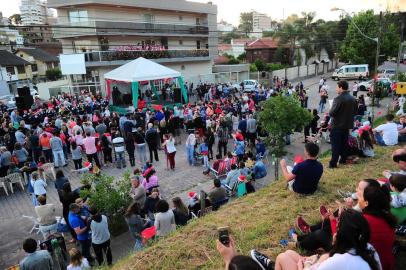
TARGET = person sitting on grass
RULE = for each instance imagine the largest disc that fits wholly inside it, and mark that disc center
(399, 157)
(387, 134)
(259, 169)
(218, 193)
(351, 250)
(305, 176)
(398, 196)
(232, 176)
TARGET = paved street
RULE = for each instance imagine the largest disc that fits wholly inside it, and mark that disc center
(14, 228)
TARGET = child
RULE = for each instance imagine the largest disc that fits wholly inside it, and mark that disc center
(204, 151)
(398, 193)
(366, 146)
(76, 155)
(84, 209)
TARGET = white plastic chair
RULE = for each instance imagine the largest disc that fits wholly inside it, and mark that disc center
(35, 223)
(15, 178)
(3, 182)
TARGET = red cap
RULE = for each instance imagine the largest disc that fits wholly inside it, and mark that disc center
(192, 194)
(241, 178)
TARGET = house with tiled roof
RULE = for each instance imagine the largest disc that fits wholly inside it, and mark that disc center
(40, 60)
(13, 68)
(263, 49)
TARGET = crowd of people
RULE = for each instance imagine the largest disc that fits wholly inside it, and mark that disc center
(78, 127)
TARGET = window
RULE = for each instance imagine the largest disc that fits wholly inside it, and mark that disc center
(197, 21)
(78, 16)
(183, 67)
(21, 69)
(198, 44)
(180, 18)
(34, 68)
(180, 42)
(10, 70)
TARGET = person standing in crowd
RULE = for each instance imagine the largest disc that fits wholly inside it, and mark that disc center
(60, 181)
(33, 140)
(57, 150)
(141, 146)
(152, 138)
(20, 154)
(130, 147)
(355, 90)
(251, 130)
(190, 148)
(119, 147)
(100, 237)
(89, 144)
(76, 155)
(35, 259)
(323, 100)
(171, 150)
(68, 197)
(5, 161)
(46, 146)
(342, 112)
(223, 136)
(106, 148)
(81, 229)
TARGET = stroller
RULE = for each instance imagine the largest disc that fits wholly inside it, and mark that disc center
(55, 244)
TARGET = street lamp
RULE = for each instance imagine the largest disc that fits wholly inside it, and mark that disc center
(348, 16)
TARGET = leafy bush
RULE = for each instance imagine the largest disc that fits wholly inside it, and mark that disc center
(242, 56)
(274, 66)
(253, 68)
(402, 77)
(233, 61)
(110, 197)
(260, 65)
(53, 74)
(280, 117)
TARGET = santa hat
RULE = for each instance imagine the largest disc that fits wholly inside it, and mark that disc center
(87, 164)
(192, 194)
(241, 178)
(298, 159)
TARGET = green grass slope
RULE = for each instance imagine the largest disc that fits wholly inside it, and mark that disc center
(258, 220)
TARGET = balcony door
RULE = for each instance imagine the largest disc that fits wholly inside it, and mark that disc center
(198, 44)
(149, 20)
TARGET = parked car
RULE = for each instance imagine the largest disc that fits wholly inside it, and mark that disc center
(249, 86)
(387, 73)
(385, 83)
(348, 72)
(9, 101)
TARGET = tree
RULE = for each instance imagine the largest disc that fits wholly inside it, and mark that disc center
(53, 74)
(15, 19)
(267, 34)
(246, 22)
(260, 65)
(226, 37)
(288, 35)
(242, 57)
(360, 50)
(281, 116)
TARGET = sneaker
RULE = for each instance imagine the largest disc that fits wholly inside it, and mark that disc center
(291, 232)
(323, 210)
(263, 261)
(302, 225)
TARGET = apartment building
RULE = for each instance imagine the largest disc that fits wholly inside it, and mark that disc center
(260, 22)
(33, 12)
(177, 33)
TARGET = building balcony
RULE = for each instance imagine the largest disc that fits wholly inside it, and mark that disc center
(91, 28)
(115, 58)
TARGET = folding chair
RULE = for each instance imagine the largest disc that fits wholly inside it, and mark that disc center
(221, 173)
(15, 178)
(35, 223)
(3, 182)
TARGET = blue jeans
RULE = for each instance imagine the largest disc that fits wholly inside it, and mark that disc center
(379, 139)
(190, 151)
(138, 245)
(59, 154)
(142, 153)
(321, 107)
(120, 161)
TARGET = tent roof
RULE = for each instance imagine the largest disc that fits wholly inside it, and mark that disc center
(141, 69)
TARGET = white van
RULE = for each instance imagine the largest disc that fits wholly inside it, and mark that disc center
(348, 72)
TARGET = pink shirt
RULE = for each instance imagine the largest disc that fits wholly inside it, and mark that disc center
(153, 182)
(90, 145)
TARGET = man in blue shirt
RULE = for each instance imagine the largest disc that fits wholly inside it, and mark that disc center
(35, 259)
(305, 176)
(81, 230)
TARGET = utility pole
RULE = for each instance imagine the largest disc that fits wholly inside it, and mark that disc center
(378, 43)
(402, 29)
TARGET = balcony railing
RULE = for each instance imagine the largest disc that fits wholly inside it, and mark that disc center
(131, 55)
(120, 28)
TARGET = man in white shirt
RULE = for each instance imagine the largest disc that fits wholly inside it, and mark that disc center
(387, 134)
(355, 89)
(118, 144)
(321, 83)
(190, 148)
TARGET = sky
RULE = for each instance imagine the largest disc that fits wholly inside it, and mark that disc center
(229, 10)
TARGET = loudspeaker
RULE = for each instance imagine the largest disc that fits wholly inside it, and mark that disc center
(177, 95)
(23, 91)
(24, 102)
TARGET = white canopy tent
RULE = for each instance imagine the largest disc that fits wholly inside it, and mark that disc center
(142, 69)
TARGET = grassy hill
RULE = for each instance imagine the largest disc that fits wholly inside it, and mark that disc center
(258, 220)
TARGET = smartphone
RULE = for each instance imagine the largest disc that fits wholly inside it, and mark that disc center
(224, 237)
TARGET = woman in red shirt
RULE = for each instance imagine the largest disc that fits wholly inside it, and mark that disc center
(375, 205)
